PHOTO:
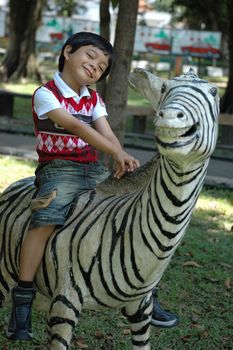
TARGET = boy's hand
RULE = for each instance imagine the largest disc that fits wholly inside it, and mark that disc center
(125, 163)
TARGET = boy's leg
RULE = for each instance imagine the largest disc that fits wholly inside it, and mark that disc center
(32, 251)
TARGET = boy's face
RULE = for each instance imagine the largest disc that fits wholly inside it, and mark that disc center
(84, 66)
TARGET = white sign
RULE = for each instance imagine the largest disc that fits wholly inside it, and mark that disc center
(177, 42)
(58, 29)
(148, 39)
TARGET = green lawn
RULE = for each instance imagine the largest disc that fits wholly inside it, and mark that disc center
(12, 169)
(197, 285)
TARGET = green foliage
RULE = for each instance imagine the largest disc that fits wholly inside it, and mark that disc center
(199, 13)
(66, 7)
(114, 3)
(163, 5)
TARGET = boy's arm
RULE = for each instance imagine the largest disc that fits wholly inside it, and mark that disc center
(103, 127)
(92, 137)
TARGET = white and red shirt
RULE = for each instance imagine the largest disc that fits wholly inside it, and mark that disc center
(53, 141)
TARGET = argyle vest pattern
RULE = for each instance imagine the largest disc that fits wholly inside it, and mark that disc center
(55, 142)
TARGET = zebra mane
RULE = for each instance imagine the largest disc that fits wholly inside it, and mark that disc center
(190, 76)
(130, 182)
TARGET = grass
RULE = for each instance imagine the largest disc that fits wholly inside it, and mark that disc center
(135, 99)
(13, 169)
(197, 285)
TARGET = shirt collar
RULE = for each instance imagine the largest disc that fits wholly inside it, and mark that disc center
(66, 90)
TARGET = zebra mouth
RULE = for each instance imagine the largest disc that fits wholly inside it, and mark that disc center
(189, 131)
(171, 137)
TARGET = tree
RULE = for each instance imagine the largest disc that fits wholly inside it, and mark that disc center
(227, 101)
(197, 13)
(117, 85)
(24, 19)
(105, 19)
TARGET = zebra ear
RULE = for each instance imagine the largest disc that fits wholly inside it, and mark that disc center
(147, 84)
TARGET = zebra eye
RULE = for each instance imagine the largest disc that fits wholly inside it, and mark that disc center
(163, 88)
(213, 91)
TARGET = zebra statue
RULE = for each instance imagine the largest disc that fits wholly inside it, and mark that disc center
(97, 260)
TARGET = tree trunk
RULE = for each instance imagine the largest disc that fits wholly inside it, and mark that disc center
(25, 16)
(117, 87)
(227, 101)
(105, 20)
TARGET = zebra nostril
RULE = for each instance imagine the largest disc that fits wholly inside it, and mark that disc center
(161, 114)
(180, 115)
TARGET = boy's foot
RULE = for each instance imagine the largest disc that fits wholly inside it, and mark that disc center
(160, 317)
(20, 327)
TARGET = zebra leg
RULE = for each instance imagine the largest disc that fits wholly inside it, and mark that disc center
(139, 315)
(4, 289)
(62, 319)
(6, 285)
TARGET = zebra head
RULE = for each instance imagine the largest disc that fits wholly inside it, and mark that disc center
(186, 120)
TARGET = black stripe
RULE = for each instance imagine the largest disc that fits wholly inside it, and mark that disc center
(140, 343)
(4, 283)
(60, 340)
(7, 235)
(116, 235)
(19, 244)
(63, 299)
(87, 275)
(156, 220)
(175, 201)
(13, 188)
(144, 237)
(140, 315)
(195, 174)
(114, 208)
(56, 320)
(132, 255)
(142, 330)
(164, 232)
(46, 276)
(12, 250)
(54, 245)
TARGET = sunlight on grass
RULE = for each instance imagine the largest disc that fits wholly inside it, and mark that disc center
(27, 88)
(218, 207)
(12, 169)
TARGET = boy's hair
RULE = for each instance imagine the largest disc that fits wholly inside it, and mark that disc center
(80, 39)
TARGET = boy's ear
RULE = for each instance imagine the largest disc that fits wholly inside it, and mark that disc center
(67, 51)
